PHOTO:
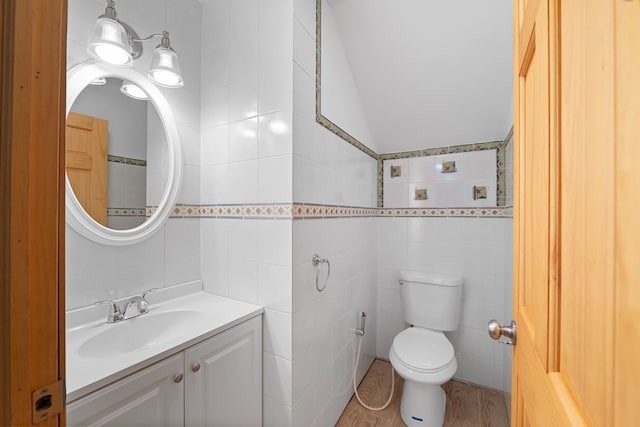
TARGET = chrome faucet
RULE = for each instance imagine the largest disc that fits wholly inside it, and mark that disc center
(117, 314)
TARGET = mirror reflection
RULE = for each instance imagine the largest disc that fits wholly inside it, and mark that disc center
(117, 153)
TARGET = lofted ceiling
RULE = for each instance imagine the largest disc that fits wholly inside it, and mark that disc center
(430, 73)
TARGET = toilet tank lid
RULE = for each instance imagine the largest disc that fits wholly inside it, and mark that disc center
(432, 278)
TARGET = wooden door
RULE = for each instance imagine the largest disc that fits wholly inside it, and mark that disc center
(86, 163)
(153, 397)
(224, 378)
(32, 89)
(577, 238)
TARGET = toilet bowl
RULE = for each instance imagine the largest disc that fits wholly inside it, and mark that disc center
(422, 355)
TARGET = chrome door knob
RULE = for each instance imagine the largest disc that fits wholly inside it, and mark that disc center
(496, 330)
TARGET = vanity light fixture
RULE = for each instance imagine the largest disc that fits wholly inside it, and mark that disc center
(133, 91)
(116, 43)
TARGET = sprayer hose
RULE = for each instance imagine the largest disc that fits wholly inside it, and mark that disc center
(355, 387)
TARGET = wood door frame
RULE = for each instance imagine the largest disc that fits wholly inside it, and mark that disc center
(32, 223)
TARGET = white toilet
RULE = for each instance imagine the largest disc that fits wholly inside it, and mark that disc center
(421, 354)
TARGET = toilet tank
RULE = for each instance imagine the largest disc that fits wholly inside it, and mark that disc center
(431, 300)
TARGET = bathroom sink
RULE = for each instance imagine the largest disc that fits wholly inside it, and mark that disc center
(139, 333)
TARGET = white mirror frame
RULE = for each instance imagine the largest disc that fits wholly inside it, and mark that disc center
(80, 77)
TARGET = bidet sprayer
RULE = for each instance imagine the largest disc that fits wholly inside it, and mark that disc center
(363, 318)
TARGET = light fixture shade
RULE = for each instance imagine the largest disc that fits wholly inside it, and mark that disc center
(110, 43)
(165, 69)
(133, 91)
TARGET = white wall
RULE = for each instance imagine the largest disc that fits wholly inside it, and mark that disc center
(478, 249)
(341, 101)
(96, 272)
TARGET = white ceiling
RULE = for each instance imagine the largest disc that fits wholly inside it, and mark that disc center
(430, 73)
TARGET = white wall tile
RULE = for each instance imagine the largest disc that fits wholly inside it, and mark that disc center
(305, 12)
(243, 240)
(274, 287)
(277, 333)
(275, 179)
(243, 140)
(243, 281)
(275, 134)
(243, 182)
(276, 414)
(182, 270)
(304, 93)
(277, 378)
(304, 52)
(182, 237)
(215, 145)
(274, 245)
(421, 169)
(215, 184)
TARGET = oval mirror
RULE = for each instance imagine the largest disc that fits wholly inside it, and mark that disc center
(123, 155)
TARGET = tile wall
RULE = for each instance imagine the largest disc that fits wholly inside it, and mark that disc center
(479, 250)
(246, 157)
(328, 171)
(96, 272)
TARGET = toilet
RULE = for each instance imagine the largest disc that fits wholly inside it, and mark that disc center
(421, 354)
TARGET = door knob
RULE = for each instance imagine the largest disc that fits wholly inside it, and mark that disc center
(496, 330)
(195, 367)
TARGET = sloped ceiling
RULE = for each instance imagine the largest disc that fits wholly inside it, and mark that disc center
(430, 73)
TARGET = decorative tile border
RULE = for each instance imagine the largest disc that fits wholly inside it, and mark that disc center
(328, 211)
(126, 211)
(324, 121)
(316, 211)
(126, 160)
(498, 212)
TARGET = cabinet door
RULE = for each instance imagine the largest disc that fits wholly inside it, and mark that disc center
(151, 397)
(224, 378)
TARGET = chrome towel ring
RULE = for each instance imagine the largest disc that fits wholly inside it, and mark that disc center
(317, 262)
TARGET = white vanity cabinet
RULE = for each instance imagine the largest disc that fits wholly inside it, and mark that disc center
(224, 378)
(217, 382)
(150, 397)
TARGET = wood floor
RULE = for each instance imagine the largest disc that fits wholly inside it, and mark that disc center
(467, 405)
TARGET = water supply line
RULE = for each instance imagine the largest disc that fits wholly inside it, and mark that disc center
(360, 334)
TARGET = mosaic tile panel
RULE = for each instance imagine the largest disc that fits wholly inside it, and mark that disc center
(499, 146)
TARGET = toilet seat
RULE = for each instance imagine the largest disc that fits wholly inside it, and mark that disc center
(423, 355)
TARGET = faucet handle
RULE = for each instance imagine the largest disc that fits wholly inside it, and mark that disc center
(143, 305)
(115, 315)
(147, 292)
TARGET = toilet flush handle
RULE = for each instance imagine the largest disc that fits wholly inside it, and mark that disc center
(496, 330)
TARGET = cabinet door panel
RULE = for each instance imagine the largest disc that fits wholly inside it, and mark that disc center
(226, 390)
(150, 397)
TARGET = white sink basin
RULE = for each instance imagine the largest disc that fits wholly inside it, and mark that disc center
(139, 333)
(99, 353)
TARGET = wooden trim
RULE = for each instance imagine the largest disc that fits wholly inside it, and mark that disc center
(32, 195)
(553, 344)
